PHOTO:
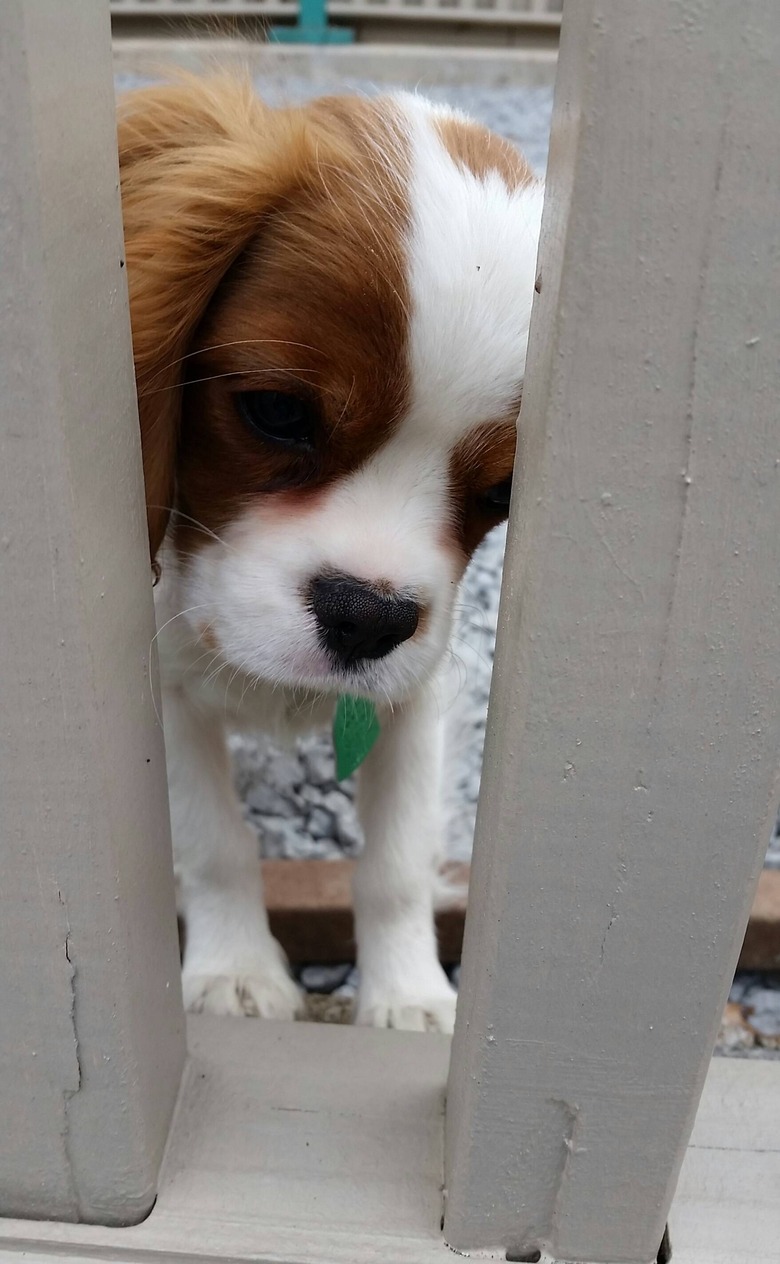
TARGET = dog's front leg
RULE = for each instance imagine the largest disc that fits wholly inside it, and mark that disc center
(232, 964)
(402, 983)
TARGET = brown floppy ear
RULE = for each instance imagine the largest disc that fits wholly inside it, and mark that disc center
(201, 161)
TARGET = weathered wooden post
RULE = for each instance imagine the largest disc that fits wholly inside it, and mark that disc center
(631, 763)
(91, 1024)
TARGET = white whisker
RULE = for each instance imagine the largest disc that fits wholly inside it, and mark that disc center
(189, 610)
(215, 377)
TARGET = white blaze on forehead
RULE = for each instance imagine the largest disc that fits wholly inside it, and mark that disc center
(472, 261)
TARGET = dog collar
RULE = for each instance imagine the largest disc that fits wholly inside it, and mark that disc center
(355, 729)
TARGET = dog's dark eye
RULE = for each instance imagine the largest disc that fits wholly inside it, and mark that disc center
(496, 499)
(285, 420)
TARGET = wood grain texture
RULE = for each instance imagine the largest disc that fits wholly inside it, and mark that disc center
(634, 730)
(761, 946)
(309, 906)
(310, 909)
(91, 1028)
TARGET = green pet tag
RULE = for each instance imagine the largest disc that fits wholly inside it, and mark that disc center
(355, 729)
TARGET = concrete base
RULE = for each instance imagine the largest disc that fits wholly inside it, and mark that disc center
(323, 1145)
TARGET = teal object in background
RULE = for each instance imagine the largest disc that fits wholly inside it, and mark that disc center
(312, 27)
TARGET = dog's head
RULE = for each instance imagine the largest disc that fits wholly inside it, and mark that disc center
(330, 310)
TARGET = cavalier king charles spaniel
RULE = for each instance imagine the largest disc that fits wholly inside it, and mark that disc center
(330, 309)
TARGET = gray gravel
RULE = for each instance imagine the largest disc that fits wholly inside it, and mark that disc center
(292, 798)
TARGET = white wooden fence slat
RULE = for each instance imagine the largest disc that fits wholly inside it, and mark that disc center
(531, 13)
(631, 761)
(91, 1026)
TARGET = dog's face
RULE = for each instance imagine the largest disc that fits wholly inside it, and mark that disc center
(340, 424)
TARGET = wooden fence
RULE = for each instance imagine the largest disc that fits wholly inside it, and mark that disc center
(631, 761)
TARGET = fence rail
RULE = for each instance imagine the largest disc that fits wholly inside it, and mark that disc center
(532, 13)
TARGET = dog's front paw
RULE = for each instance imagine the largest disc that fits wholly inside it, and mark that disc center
(435, 1012)
(267, 994)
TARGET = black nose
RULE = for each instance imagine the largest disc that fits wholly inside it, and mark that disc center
(357, 622)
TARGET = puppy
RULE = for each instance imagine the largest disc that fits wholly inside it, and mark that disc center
(330, 309)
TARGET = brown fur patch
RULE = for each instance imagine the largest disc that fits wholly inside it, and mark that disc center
(200, 163)
(482, 460)
(482, 152)
(264, 251)
(207, 637)
(316, 306)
